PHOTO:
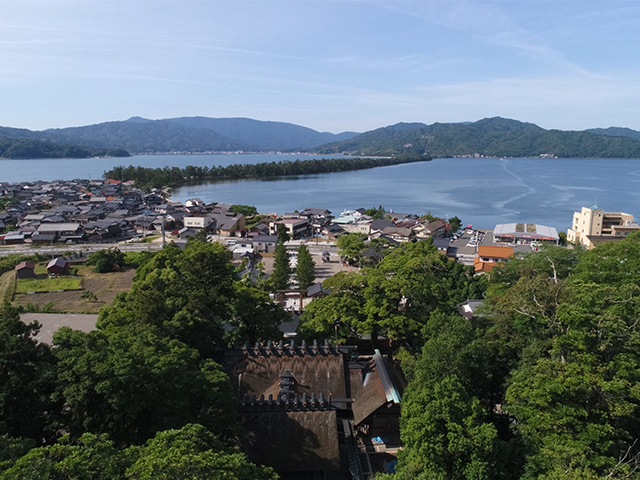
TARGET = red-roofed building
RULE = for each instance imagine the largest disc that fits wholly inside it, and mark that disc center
(491, 255)
(25, 270)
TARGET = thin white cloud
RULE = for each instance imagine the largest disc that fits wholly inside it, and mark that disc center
(488, 23)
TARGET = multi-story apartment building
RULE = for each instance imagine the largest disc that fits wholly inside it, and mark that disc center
(592, 226)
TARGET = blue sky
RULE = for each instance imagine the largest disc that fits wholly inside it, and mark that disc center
(329, 65)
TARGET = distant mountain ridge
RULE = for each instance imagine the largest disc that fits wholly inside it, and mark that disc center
(34, 148)
(187, 134)
(616, 132)
(497, 137)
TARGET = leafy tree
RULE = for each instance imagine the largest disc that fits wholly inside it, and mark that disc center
(12, 448)
(255, 316)
(395, 297)
(109, 260)
(376, 213)
(409, 284)
(246, 210)
(305, 269)
(455, 223)
(445, 434)
(27, 373)
(195, 453)
(130, 383)
(339, 315)
(562, 236)
(190, 452)
(375, 251)
(283, 233)
(6, 202)
(350, 247)
(448, 423)
(91, 457)
(137, 259)
(429, 217)
(279, 279)
(200, 236)
(564, 330)
(186, 295)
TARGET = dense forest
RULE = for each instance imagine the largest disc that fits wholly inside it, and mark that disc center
(143, 396)
(543, 384)
(30, 148)
(496, 137)
(146, 178)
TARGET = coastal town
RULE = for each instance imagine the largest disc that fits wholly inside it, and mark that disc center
(346, 397)
(64, 214)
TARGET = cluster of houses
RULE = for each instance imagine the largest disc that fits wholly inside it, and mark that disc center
(73, 211)
(109, 211)
(102, 211)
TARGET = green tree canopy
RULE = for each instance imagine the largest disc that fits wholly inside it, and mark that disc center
(350, 247)
(305, 269)
(394, 297)
(281, 275)
(564, 331)
(27, 379)
(91, 457)
(246, 210)
(283, 233)
(376, 213)
(186, 294)
(109, 260)
(193, 452)
(130, 383)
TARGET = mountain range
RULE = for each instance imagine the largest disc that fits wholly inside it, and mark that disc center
(498, 137)
(490, 137)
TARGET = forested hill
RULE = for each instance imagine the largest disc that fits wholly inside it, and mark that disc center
(187, 134)
(199, 134)
(496, 136)
(266, 135)
(616, 132)
(32, 148)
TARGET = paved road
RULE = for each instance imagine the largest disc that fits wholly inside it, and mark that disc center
(26, 249)
(85, 247)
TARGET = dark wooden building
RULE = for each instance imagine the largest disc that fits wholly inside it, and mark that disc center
(25, 270)
(313, 412)
(57, 266)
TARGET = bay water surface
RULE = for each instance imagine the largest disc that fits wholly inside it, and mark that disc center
(480, 191)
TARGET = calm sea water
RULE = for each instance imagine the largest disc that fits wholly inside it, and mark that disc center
(483, 191)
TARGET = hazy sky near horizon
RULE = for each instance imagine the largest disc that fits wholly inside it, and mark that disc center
(331, 65)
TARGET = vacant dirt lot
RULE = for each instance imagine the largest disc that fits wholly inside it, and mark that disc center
(104, 285)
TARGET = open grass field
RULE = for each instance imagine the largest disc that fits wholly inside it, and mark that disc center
(7, 285)
(42, 283)
(105, 286)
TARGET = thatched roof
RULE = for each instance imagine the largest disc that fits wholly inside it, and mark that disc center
(256, 372)
(371, 388)
(292, 441)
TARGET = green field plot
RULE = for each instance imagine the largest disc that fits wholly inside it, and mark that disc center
(7, 285)
(25, 285)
